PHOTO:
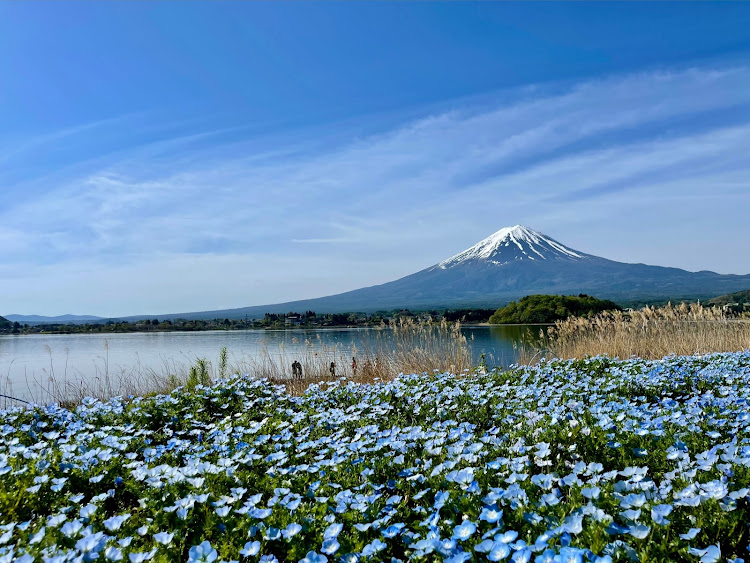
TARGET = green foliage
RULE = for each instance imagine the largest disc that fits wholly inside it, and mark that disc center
(198, 375)
(223, 362)
(550, 308)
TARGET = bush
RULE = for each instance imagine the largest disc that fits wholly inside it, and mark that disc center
(550, 308)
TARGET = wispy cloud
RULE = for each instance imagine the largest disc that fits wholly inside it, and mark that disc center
(657, 157)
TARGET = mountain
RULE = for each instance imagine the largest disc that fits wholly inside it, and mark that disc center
(39, 319)
(511, 263)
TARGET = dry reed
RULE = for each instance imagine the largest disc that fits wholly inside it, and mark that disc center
(408, 347)
(650, 333)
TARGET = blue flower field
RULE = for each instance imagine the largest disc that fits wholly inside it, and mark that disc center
(569, 461)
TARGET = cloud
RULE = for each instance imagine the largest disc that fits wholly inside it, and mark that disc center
(658, 156)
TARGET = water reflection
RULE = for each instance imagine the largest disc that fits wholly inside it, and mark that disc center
(27, 361)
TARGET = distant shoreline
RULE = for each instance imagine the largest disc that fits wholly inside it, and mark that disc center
(256, 329)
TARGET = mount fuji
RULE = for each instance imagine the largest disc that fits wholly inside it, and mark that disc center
(507, 265)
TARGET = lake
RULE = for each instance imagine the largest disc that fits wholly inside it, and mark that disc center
(28, 361)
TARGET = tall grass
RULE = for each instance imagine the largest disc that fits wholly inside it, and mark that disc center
(408, 347)
(650, 333)
(68, 386)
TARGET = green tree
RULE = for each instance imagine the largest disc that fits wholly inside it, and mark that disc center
(550, 308)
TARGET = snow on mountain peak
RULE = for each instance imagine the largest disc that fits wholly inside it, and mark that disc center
(510, 244)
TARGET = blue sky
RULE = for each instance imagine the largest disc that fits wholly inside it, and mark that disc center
(166, 157)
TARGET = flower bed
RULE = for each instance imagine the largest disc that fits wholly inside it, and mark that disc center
(591, 460)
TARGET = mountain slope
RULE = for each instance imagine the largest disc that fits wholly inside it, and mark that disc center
(511, 263)
(40, 319)
(739, 297)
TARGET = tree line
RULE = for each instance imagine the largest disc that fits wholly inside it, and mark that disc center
(291, 319)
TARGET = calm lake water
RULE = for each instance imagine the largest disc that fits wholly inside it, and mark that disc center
(27, 361)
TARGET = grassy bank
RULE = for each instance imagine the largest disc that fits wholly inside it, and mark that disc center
(648, 333)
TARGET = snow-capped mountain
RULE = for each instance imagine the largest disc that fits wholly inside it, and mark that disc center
(511, 263)
(510, 244)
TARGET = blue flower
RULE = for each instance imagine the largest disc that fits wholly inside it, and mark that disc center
(711, 554)
(392, 531)
(113, 553)
(639, 531)
(164, 538)
(373, 547)
(465, 530)
(202, 553)
(460, 557)
(441, 498)
(548, 556)
(272, 534)
(446, 546)
(333, 531)
(573, 524)
(91, 544)
(569, 555)
(330, 546)
(222, 511)
(141, 556)
(614, 528)
(507, 537)
(660, 512)
(491, 514)
(522, 555)
(70, 529)
(485, 546)
(591, 492)
(291, 530)
(251, 548)
(499, 551)
(313, 557)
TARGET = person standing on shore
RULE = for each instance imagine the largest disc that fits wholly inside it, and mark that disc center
(332, 369)
(354, 366)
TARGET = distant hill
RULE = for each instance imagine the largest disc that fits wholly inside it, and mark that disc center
(740, 297)
(40, 319)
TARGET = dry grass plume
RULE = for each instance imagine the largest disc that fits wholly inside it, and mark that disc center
(650, 333)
